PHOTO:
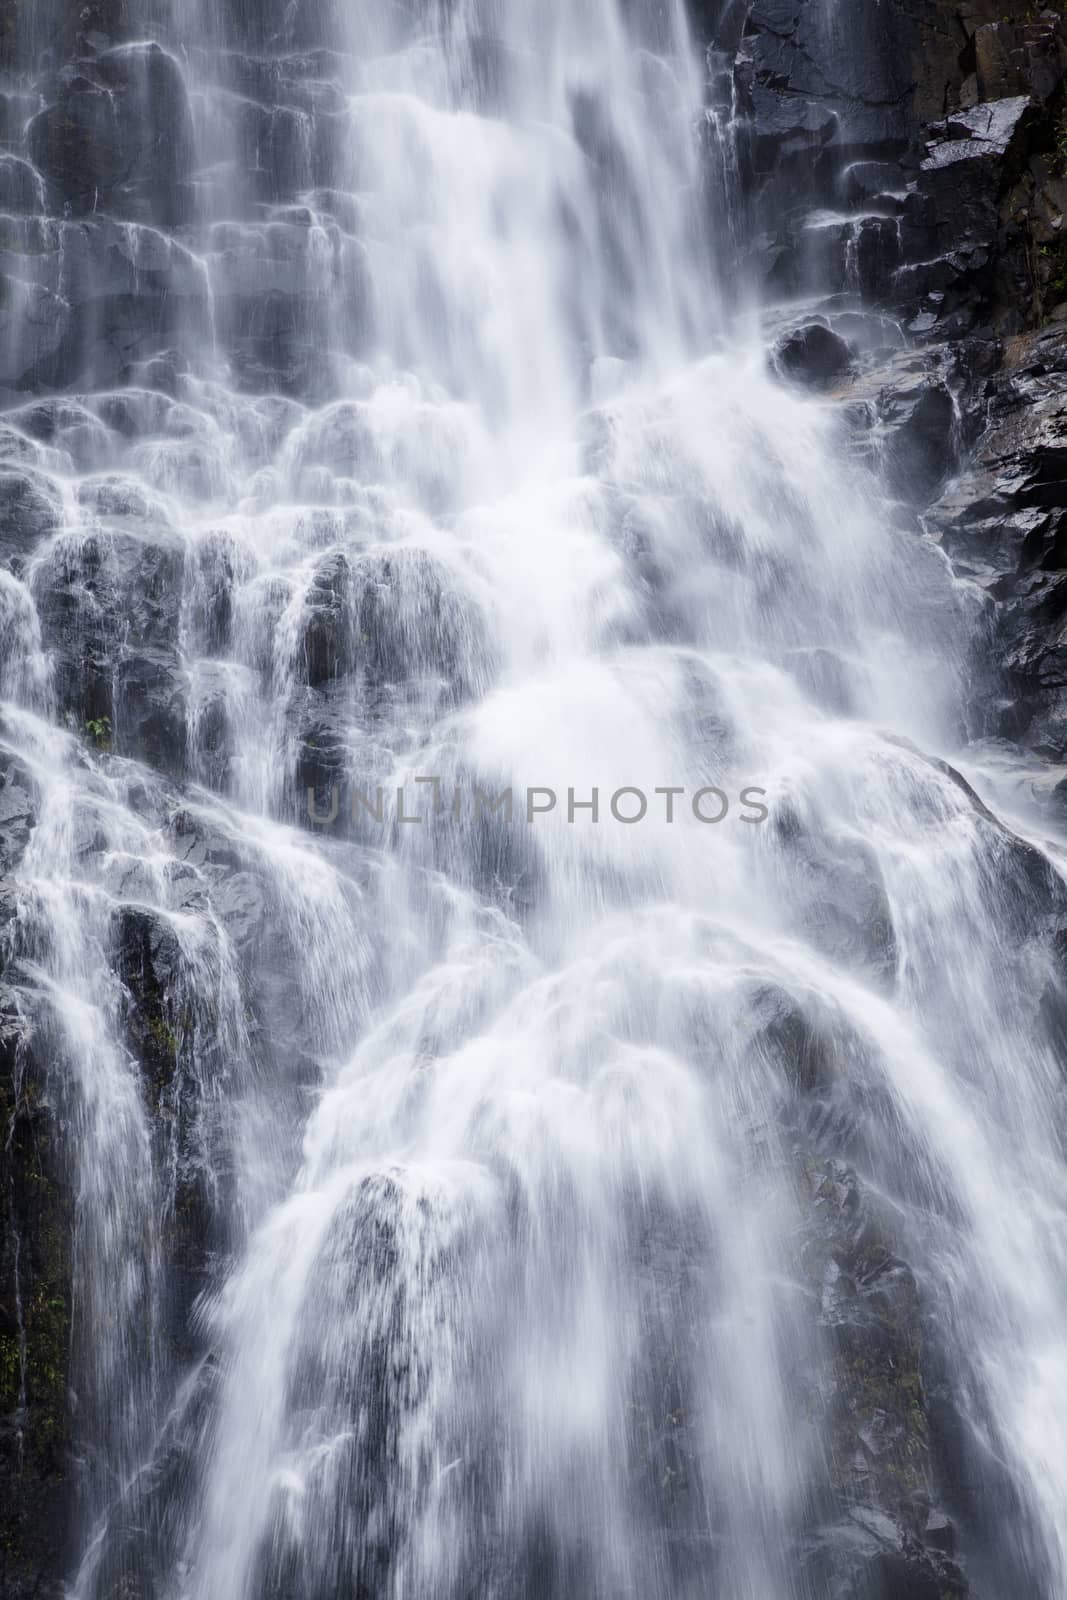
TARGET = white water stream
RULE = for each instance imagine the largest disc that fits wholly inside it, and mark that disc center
(506, 1285)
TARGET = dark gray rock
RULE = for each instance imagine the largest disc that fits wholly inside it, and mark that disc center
(329, 639)
(100, 298)
(922, 441)
(1004, 524)
(1013, 56)
(881, 1463)
(835, 887)
(30, 512)
(33, 322)
(36, 1299)
(956, 224)
(18, 815)
(830, 103)
(109, 605)
(18, 810)
(21, 188)
(814, 356)
(117, 137)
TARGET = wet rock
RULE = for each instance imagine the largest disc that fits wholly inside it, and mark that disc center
(801, 1038)
(18, 814)
(953, 223)
(211, 730)
(286, 26)
(236, 893)
(921, 448)
(218, 562)
(33, 322)
(149, 961)
(814, 356)
(151, 709)
(20, 185)
(242, 904)
(824, 113)
(308, 80)
(109, 605)
(883, 1479)
(117, 137)
(835, 886)
(1015, 57)
(324, 750)
(30, 511)
(914, 414)
(69, 428)
(78, 632)
(852, 71)
(1004, 524)
(199, 840)
(392, 618)
(36, 1222)
(825, 677)
(911, 155)
(164, 1025)
(411, 622)
(285, 293)
(328, 639)
(113, 293)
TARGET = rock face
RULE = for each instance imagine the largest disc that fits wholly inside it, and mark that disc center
(915, 162)
(910, 161)
(1002, 522)
(893, 1541)
(36, 1219)
(913, 155)
(117, 137)
(901, 168)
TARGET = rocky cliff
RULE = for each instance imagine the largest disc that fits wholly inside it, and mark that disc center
(904, 187)
(898, 185)
(912, 161)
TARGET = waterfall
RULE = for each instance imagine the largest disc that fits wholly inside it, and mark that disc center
(542, 1039)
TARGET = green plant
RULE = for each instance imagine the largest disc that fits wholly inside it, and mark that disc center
(99, 731)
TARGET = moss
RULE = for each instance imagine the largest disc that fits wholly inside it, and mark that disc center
(166, 1041)
(10, 1373)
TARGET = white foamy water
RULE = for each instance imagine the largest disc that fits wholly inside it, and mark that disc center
(500, 1174)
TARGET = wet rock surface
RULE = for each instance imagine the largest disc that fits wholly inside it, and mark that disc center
(1000, 522)
(910, 156)
(893, 1540)
(914, 158)
(36, 1302)
(814, 356)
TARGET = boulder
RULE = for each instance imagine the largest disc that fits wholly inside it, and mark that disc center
(814, 356)
(834, 885)
(30, 512)
(109, 603)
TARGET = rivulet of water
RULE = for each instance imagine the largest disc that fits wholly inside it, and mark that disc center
(494, 1165)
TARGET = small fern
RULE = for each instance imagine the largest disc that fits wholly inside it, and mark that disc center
(99, 731)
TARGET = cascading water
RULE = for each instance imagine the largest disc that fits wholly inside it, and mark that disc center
(461, 1204)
